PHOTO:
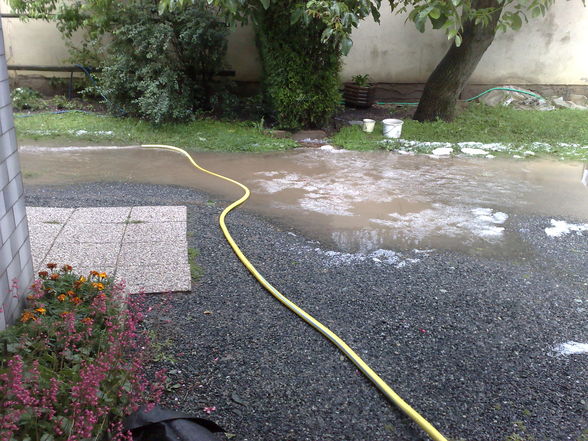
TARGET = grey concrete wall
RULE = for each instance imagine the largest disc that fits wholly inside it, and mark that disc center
(16, 265)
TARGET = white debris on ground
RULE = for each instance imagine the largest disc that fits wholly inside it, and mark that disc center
(571, 348)
(470, 148)
(561, 228)
(473, 152)
(442, 151)
(528, 100)
(105, 133)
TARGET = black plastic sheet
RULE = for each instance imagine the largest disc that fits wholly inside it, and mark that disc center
(161, 424)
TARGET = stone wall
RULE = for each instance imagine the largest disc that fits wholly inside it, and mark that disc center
(16, 266)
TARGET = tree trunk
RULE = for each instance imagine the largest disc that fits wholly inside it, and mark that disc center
(443, 87)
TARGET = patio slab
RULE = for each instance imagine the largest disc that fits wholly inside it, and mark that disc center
(144, 246)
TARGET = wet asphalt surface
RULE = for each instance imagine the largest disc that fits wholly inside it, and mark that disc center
(467, 340)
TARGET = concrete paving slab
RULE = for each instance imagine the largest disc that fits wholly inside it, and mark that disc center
(152, 257)
(91, 233)
(41, 237)
(158, 214)
(155, 231)
(159, 278)
(99, 215)
(41, 215)
(44, 232)
(153, 253)
(39, 251)
(95, 255)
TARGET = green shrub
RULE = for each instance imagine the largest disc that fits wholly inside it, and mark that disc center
(161, 67)
(25, 98)
(301, 73)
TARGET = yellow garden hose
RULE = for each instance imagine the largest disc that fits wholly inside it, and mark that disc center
(330, 335)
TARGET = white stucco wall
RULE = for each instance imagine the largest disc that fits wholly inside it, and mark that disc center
(547, 50)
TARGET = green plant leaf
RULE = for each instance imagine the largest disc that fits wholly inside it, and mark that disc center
(346, 45)
(438, 22)
(516, 22)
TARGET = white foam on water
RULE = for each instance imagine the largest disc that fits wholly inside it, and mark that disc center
(571, 348)
(449, 221)
(561, 228)
(35, 149)
(317, 204)
(381, 256)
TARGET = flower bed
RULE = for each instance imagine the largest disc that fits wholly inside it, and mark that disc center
(74, 366)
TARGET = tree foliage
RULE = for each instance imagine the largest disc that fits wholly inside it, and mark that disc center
(446, 15)
(299, 53)
(156, 66)
(300, 73)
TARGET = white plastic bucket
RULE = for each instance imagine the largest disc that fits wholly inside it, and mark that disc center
(392, 127)
(368, 125)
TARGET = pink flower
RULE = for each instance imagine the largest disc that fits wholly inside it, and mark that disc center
(209, 410)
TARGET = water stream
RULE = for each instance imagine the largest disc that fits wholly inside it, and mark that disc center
(353, 201)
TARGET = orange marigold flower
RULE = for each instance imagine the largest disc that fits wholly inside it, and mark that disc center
(82, 279)
(71, 293)
(67, 268)
(26, 316)
(103, 275)
(43, 274)
(98, 286)
(61, 297)
(94, 273)
(76, 300)
(87, 321)
(51, 265)
(41, 311)
(54, 276)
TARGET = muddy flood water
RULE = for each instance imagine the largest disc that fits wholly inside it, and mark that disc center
(352, 201)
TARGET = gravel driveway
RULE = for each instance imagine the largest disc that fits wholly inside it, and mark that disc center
(473, 343)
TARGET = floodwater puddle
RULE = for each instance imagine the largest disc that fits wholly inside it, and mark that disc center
(356, 202)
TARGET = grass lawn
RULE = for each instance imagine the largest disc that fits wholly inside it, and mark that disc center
(500, 130)
(78, 127)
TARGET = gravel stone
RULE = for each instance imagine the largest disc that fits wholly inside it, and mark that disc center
(467, 340)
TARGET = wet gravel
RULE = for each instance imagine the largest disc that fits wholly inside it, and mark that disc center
(467, 340)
